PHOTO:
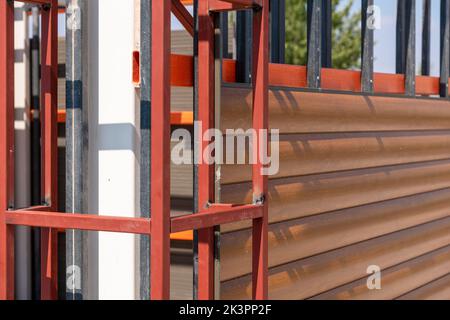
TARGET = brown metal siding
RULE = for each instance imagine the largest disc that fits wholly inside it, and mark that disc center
(436, 290)
(314, 275)
(309, 112)
(399, 279)
(363, 181)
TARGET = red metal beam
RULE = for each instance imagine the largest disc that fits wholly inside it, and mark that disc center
(286, 75)
(230, 5)
(6, 148)
(49, 264)
(260, 146)
(216, 216)
(205, 170)
(183, 15)
(49, 2)
(49, 89)
(61, 10)
(213, 216)
(182, 66)
(160, 151)
(37, 209)
(66, 221)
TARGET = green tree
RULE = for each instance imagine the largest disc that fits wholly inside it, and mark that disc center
(346, 34)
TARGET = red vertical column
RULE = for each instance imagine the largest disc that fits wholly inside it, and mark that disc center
(6, 148)
(160, 151)
(205, 171)
(49, 88)
(260, 122)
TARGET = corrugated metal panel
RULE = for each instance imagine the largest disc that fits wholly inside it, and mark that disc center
(182, 99)
(181, 271)
(181, 179)
(293, 111)
(312, 276)
(298, 239)
(363, 181)
(296, 197)
(321, 153)
(182, 42)
(436, 290)
(397, 280)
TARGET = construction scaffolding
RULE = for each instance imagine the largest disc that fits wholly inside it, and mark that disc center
(363, 177)
(160, 225)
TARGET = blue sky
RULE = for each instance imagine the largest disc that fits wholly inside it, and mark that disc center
(384, 37)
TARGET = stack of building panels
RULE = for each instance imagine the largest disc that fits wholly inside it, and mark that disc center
(364, 183)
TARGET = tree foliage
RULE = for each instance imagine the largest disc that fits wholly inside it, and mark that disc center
(346, 34)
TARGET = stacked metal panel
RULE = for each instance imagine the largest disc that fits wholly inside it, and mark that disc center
(363, 181)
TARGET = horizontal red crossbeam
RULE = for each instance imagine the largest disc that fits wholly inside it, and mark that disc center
(286, 75)
(247, 3)
(36, 1)
(88, 222)
(215, 216)
(229, 5)
(37, 208)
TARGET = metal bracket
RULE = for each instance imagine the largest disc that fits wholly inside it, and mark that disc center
(208, 205)
(46, 7)
(259, 201)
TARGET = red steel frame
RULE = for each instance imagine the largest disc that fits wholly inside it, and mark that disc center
(161, 224)
(206, 111)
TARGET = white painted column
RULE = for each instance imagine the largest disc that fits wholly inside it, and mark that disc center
(113, 145)
(22, 150)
